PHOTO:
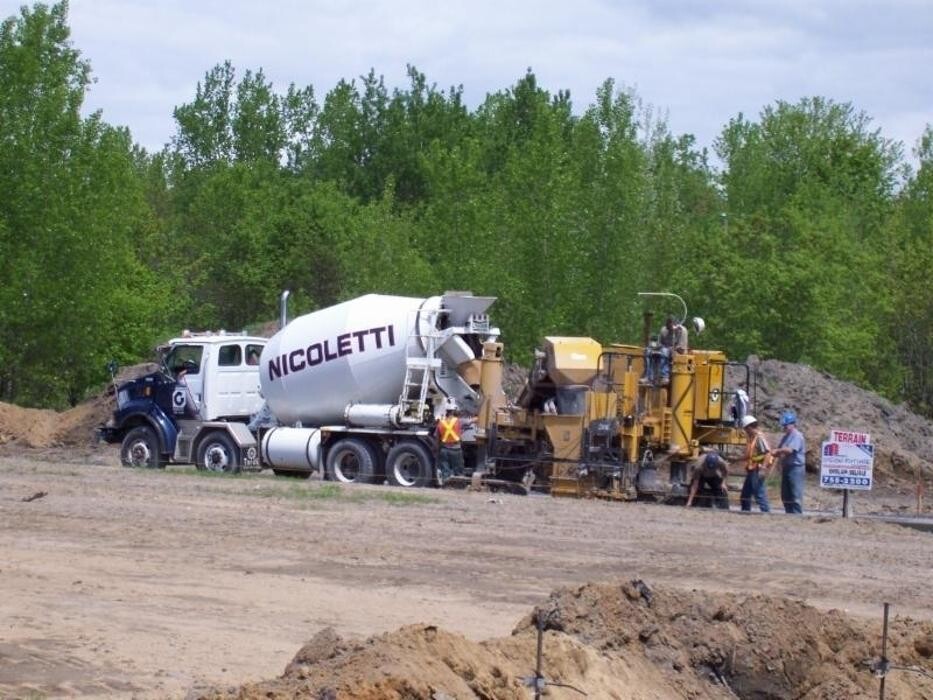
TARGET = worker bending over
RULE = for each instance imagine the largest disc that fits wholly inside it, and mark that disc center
(708, 479)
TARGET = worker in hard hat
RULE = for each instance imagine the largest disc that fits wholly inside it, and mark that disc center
(758, 462)
(708, 480)
(791, 453)
(449, 430)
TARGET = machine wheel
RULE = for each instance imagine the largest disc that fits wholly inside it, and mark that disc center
(218, 453)
(288, 473)
(140, 448)
(409, 464)
(350, 461)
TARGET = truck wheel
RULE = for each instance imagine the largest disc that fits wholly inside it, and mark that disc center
(409, 464)
(350, 462)
(218, 453)
(140, 448)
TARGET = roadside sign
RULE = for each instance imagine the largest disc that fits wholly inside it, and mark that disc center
(849, 436)
(847, 465)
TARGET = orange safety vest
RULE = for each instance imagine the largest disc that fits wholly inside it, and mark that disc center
(756, 453)
(449, 431)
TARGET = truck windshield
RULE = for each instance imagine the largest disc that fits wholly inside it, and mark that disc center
(183, 357)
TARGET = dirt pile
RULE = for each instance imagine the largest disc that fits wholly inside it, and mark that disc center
(903, 440)
(33, 427)
(753, 646)
(624, 640)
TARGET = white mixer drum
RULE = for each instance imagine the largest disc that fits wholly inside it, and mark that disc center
(353, 352)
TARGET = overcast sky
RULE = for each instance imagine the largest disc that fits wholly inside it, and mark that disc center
(699, 61)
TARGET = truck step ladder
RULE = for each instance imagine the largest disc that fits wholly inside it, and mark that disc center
(413, 401)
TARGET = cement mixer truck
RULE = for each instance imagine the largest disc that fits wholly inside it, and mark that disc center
(351, 391)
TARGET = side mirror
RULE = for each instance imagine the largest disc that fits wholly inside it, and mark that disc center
(112, 367)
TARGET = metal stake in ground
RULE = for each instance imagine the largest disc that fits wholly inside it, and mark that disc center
(846, 504)
(882, 668)
(538, 681)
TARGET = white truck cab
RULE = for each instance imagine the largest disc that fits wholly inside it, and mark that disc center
(195, 409)
(221, 372)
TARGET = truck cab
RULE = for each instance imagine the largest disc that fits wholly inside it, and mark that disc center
(195, 408)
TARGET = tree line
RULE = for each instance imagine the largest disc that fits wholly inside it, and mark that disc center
(808, 237)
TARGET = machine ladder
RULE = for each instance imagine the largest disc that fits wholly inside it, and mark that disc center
(413, 401)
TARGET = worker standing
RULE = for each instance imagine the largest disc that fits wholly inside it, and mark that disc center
(709, 480)
(671, 339)
(758, 462)
(674, 336)
(791, 451)
(449, 430)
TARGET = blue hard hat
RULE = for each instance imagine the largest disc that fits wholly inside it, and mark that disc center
(787, 418)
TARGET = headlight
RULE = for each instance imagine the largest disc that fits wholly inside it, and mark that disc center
(123, 396)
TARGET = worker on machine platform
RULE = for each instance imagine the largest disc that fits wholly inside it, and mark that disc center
(672, 339)
(449, 430)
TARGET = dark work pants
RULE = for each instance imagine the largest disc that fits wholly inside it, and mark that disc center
(792, 489)
(754, 487)
(712, 492)
(450, 462)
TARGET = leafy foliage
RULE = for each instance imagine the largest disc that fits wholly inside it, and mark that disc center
(74, 291)
(810, 241)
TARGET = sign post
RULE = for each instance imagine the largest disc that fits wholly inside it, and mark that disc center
(847, 460)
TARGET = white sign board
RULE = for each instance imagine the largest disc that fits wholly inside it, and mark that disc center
(847, 465)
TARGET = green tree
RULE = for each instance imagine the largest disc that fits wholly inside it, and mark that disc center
(808, 191)
(74, 293)
(911, 250)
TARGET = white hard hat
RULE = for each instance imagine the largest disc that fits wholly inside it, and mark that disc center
(748, 420)
(698, 324)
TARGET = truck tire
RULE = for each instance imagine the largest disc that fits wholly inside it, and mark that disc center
(218, 453)
(140, 448)
(350, 461)
(379, 462)
(410, 464)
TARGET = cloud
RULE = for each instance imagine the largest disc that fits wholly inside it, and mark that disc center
(701, 62)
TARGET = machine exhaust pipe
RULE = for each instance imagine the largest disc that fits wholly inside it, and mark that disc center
(283, 309)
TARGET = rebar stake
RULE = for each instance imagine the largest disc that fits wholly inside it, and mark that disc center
(539, 620)
(882, 668)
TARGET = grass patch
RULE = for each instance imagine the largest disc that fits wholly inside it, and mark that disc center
(396, 498)
(307, 493)
(335, 492)
(192, 471)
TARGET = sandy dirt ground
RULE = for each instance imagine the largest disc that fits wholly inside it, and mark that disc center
(126, 583)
